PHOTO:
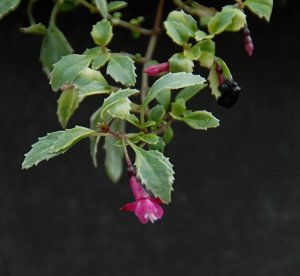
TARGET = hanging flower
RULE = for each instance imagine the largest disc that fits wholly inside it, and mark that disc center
(157, 68)
(145, 207)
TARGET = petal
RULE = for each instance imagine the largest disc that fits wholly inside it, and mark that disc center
(159, 211)
(129, 207)
(137, 189)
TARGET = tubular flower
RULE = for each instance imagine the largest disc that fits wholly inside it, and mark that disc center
(145, 207)
(157, 68)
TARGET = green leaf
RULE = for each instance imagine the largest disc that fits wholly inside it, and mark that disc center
(102, 7)
(160, 146)
(149, 138)
(121, 69)
(67, 69)
(7, 6)
(117, 104)
(54, 46)
(155, 172)
(53, 144)
(36, 29)
(180, 63)
(94, 140)
(200, 35)
(199, 120)
(116, 5)
(262, 8)
(213, 77)
(178, 108)
(228, 19)
(189, 92)
(113, 162)
(157, 113)
(207, 53)
(66, 105)
(102, 33)
(168, 136)
(101, 56)
(180, 27)
(164, 98)
(172, 81)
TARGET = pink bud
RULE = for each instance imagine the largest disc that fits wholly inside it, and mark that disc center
(157, 68)
(248, 44)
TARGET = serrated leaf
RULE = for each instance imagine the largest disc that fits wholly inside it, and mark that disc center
(117, 104)
(53, 144)
(155, 172)
(116, 5)
(228, 19)
(102, 7)
(180, 63)
(189, 92)
(172, 81)
(180, 26)
(66, 106)
(100, 56)
(7, 6)
(262, 8)
(213, 77)
(113, 162)
(94, 140)
(121, 69)
(201, 120)
(54, 46)
(159, 146)
(36, 29)
(102, 33)
(67, 69)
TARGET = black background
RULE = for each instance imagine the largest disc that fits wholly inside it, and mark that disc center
(236, 205)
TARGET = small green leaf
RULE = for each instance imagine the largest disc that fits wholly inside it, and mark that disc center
(102, 7)
(157, 113)
(155, 172)
(117, 104)
(102, 33)
(100, 56)
(213, 77)
(164, 98)
(178, 108)
(180, 27)
(228, 19)
(121, 69)
(67, 69)
(149, 138)
(262, 8)
(54, 46)
(53, 144)
(116, 6)
(172, 81)
(36, 29)
(207, 53)
(94, 140)
(66, 105)
(180, 63)
(7, 6)
(199, 120)
(189, 92)
(168, 136)
(160, 146)
(113, 162)
(200, 35)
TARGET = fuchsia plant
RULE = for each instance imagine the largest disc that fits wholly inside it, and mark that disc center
(151, 109)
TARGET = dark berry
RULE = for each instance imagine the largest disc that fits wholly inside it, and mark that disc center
(230, 91)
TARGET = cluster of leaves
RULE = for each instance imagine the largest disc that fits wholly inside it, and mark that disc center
(77, 76)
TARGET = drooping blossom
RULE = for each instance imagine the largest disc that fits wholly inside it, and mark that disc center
(157, 68)
(145, 207)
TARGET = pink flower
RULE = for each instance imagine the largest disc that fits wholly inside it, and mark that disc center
(157, 68)
(145, 207)
(248, 43)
